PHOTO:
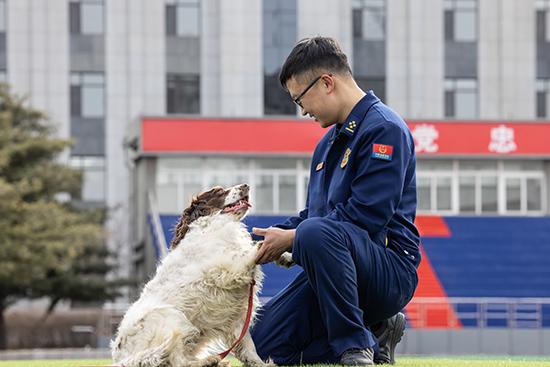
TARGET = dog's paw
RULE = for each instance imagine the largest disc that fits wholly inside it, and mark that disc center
(211, 361)
(285, 260)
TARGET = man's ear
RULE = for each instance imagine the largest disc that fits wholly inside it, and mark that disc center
(328, 82)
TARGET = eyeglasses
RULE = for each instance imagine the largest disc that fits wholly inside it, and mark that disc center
(297, 100)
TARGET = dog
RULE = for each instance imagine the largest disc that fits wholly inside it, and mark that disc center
(200, 291)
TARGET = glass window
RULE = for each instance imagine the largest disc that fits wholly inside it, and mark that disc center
(287, 193)
(443, 185)
(187, 20)
(2, 15)
(534, 194)
(423, 194)
(93, 177)
(264, 194)
(543, 20)
(513, 194)
(542, 97)
(465, 26)
(461, 20)
(192, 185)
(86, 17)
(183, 18)
(183, 93)
(225, 179)
(477, 165)
(87, 95)
(434, 165)
(91, 20)
(167, 197)
(467, 194)
(278, 36)
(369, 19)
(461, 98)
(489, 196)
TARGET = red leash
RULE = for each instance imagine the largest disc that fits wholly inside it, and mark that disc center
(246, 322)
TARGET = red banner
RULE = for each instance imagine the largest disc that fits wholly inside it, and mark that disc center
(293, 136)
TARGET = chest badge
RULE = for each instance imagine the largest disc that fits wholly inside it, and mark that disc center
(346, 158)
(319, 166)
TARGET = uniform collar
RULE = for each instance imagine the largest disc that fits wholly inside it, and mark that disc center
(356, 115)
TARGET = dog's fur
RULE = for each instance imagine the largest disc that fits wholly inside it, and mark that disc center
(200, 290)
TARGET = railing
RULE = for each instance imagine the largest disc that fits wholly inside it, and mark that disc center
(483, 312)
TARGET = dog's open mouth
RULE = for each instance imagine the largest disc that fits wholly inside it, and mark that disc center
(236, 206)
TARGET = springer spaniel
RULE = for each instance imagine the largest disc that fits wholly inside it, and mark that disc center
(200, 291)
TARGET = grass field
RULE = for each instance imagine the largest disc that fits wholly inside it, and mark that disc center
(402, 362)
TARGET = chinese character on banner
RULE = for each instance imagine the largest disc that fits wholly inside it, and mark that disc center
(424, 138)
(502, 140)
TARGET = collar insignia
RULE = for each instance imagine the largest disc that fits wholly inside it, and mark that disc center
(351, 126)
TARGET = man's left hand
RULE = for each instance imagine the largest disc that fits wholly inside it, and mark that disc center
(276, 242)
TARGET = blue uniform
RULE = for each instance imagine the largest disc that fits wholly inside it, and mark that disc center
(355, 240)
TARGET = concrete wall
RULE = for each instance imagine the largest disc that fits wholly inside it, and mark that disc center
(135, 75)
(414, 46)
(468, 341)
(231, 54)
(507, 59)
(38, 56)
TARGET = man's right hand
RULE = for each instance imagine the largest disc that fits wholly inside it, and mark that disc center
(276, 242)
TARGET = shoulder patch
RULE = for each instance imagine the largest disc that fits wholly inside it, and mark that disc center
(382, 151)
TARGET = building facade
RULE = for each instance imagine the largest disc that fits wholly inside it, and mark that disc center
(97, 66)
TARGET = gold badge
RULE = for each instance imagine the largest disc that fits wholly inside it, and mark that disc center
(351, 126)
(319, 166)
(346, 158)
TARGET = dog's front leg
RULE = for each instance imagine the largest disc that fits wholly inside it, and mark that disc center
(245, 352)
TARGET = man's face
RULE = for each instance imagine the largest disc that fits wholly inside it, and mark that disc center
(311, 97)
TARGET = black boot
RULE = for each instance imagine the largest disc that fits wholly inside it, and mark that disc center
(357, 357)
(389, 332)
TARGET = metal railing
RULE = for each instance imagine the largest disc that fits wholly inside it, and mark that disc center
(481, 312)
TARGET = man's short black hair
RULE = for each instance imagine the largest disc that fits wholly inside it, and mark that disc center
(313, 54)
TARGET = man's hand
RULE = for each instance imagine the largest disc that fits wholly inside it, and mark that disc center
(276, 242)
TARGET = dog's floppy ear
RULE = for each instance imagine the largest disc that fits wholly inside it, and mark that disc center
(198, 208)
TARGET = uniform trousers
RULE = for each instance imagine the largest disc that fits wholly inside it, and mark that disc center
(348, 283)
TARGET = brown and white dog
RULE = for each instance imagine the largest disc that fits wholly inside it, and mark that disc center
(200, 291)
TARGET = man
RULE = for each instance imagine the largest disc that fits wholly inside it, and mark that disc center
(355, 240)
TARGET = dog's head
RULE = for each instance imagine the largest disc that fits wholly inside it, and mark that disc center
(232, 201)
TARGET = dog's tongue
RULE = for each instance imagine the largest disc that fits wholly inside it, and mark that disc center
(238, 205)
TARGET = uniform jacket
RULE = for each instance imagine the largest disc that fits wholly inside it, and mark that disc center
(363, 172)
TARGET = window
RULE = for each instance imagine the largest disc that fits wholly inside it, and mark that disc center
(543, 96)
(183, 18)
(183, 93)
(279, 36)
(461, 98)
(87, 95)
(543, 20)
(93, 179)
(3, 76)
(2, 16)
(377, 85)
(86, 17)
(461, 20)
(480, 187)
(278, 186)
(369, 19)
